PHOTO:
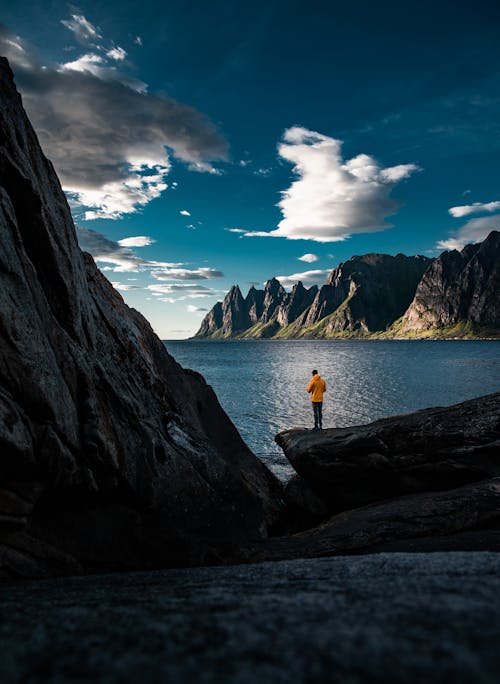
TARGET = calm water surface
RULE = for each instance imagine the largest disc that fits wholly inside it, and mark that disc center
(261, 384)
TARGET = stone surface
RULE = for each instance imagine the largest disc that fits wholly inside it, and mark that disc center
(434, 449)
(404, 519)
(459, 287)
(388, 618)
(111, 454)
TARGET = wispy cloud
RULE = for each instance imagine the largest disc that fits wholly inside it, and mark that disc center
(236, 230)
(117, 53)
(109, 139)
(125, 287)
(475, 208)
(309, 258)
(307, 278)
(83, 30)
(136, 241)
(195, 309)
(333, 198)
(183, 290)
(185, 212)
(120, 256)
(475, 230)
(187, 274)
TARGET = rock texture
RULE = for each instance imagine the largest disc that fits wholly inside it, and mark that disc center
(458, 288)
(433, 449)
(382, 618)
(366, 294)
(111, 455)
(405, 518)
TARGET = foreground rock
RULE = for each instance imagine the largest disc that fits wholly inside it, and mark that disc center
(393, 619)
(111, 455)
(433, 449)
(474, 507)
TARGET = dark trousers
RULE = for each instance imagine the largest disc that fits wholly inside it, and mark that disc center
(318, 413)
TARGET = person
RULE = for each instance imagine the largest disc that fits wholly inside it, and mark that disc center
(316, 388)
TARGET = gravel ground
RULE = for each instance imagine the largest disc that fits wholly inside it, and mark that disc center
(384, 618)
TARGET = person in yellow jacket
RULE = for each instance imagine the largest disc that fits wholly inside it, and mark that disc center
(316, 388)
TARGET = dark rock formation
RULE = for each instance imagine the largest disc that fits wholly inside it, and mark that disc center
(404, 519)
(364, 295)
(458, 287)
(254, 303)
(433, 449)
(212, 321)
(111, 455)
(274, 294)
(295, 303)
(374, 289)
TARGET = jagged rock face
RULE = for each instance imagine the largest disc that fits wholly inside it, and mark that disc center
(376, 289)
(274, 294)
(295, 303)
(111, 455)
(254, 303)
(365, 294)
(212, 321)
(459, 286)
(327, 299)
(433, 449)
(234, 312)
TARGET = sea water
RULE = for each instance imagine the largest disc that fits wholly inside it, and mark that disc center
(261, 384)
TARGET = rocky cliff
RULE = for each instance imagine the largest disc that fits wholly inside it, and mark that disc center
(459, 290)
(378, 295)
(363, 295)
(111, 454)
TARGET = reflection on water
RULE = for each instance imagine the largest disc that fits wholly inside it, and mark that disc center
(261, 384)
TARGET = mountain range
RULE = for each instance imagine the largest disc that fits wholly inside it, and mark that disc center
(374, 295)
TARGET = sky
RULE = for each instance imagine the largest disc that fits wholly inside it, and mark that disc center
(205, 144)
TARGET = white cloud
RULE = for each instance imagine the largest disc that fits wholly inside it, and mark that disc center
(124, 286)
(138, 40)
(187, 274)
(309, 258)
(122, 258)
(83, 30)
(117, 53)
(184, 290)
(475, 230)
(333, 198)
(137, 241)
(236, 230)
(476, 208)
(185, 212)
(109, 139)
(307, 278)
(195, 309)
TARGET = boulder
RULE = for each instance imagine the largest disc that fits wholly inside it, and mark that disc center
(433, 449)
(111, 454)
(399, 523)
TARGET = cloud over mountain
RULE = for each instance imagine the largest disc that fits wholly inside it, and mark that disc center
(307, 278)
(333, 198)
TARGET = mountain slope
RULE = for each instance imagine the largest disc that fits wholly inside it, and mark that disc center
(460, 290)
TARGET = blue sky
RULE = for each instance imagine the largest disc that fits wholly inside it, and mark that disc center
(231, 142)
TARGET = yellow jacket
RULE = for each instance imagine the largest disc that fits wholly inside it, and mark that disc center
(316, 387)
